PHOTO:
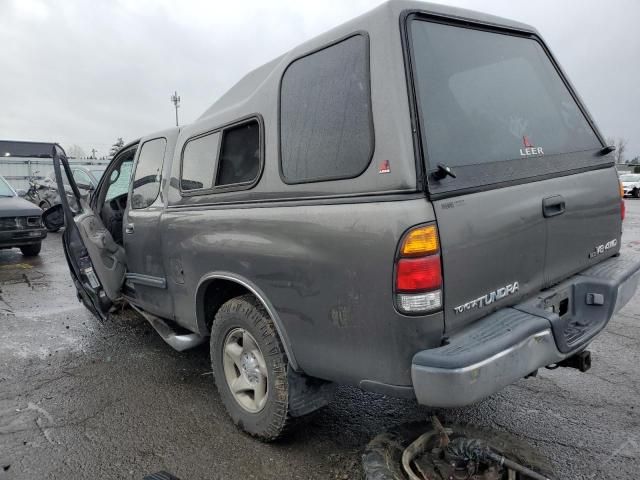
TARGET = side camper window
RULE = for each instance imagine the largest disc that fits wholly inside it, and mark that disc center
(229, 158)
(199, 162)
(240, 154)
(326, 126)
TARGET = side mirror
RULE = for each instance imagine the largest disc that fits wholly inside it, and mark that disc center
(53, 218)
(21, 192)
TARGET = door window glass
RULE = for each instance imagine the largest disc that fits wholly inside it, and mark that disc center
(82, 179)
(146, 182)
(119, 180)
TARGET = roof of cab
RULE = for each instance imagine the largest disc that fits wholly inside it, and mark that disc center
(388, 12)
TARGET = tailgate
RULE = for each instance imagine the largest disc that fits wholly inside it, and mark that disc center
(498, 246)
(589, 228)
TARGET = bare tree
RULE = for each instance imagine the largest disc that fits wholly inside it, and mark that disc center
(76, 151)
(621, 146)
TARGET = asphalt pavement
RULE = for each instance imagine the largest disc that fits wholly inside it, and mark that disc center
(83, 399)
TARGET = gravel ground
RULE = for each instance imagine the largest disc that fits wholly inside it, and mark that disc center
(81, 399)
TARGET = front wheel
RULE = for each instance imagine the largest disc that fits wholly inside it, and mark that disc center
(635, 193)
(250, 368)
(31, 250)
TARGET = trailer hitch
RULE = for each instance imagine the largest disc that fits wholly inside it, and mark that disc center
(580, 361)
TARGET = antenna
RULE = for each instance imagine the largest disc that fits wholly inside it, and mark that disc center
(175, 99)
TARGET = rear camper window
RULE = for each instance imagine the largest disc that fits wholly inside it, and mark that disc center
(326, 128)
(485, 97)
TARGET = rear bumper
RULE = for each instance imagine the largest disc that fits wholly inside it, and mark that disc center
(513, 342)
(19, 238)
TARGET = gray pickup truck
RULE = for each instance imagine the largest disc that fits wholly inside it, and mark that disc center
(416, 202)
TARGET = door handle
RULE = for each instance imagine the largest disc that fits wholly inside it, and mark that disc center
(552, 206)
(128, 228)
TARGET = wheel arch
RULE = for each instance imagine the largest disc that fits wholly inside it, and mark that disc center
(232, 283)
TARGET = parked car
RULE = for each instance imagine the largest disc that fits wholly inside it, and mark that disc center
(20, 222)
(416, 202)
(87, 178)
(631, 184)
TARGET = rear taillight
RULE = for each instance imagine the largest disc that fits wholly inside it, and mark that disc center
(622, 205)
(418, 272)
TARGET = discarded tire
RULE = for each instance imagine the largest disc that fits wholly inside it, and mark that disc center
(382, 459)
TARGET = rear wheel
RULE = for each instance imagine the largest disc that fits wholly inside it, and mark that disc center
(250, 368)
(31, 250)
(635, 193)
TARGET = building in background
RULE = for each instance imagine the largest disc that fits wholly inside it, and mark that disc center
(20, 161)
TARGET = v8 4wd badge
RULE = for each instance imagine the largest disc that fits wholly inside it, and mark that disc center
(600, 249)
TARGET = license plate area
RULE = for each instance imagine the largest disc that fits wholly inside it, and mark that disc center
(560, 303)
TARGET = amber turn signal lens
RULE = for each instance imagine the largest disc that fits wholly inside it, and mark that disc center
(420, 241)
(621, 189)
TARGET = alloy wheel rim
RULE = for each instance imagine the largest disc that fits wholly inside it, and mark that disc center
(245, 370)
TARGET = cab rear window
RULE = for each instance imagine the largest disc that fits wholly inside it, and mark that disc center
(486, 97)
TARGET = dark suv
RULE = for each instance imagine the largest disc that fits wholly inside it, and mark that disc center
(20, 222)
(415, 202)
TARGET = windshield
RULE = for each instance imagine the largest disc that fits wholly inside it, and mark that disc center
(630, 178)
(5, 189)
(489, 97)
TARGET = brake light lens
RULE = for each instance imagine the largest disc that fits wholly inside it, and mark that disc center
(418, 280)
(418, 274)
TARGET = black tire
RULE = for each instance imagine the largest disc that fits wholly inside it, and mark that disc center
(246, 312)
(382, 459)
(635, 193)
(31, 250)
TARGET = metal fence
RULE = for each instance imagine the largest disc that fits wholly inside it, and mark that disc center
(17, 171)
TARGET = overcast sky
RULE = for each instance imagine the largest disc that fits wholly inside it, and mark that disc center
(87, 72)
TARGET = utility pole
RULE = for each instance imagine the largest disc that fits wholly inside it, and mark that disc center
(175, 99)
